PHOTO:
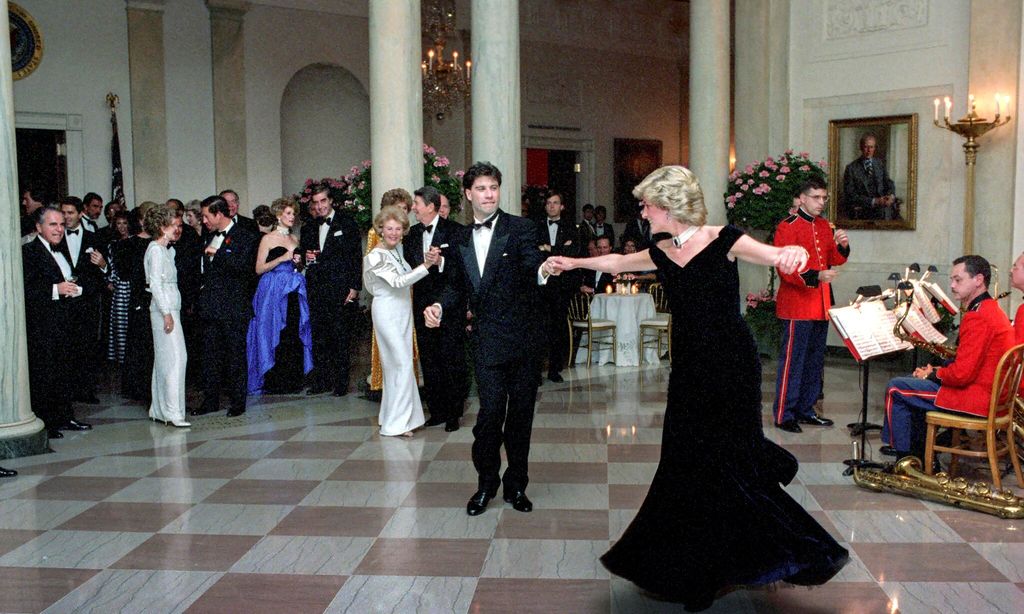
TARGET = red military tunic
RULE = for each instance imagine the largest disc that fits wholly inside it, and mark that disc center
(801, 296)
(985, 335)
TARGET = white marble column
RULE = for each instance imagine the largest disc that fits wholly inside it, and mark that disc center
(149, 108)
(709, 101)
(396, 97)
(227, 37)
(21, 433)
(495, 98)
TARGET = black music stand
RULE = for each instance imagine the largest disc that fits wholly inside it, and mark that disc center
(861, 427)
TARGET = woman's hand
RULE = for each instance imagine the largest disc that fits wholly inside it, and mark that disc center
(791, 258)
(168, 324)
(559, 264)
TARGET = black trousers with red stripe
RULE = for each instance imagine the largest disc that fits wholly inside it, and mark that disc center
(801, 365)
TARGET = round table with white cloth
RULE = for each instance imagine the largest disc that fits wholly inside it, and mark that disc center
(627, 311)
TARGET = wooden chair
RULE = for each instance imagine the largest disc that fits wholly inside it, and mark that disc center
(1000, 419)
(580, 321)
(659, 328)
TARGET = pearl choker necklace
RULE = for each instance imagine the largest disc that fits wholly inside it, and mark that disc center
(680, 239)
(281, 230)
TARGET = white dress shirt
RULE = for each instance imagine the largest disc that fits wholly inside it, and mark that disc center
(218, 240)
(74, 239)
(62, 263)
(552, 230)
(482, 241)
(324, 229)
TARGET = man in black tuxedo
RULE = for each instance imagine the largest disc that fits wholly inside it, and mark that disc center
(188, 258)
(500, 267)
(557, 237)
(92, 211)
(225, 306)
(596, 281)
(602, 228)
(442, 350)
(334, 276)
(231, 198)
(89, 269)
(51, 301)
(639, 231)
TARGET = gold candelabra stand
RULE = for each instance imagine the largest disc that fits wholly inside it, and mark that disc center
(970, 127)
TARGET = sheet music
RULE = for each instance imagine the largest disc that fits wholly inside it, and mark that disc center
(916, 322)
(867, 328)
(923, 301)
(934, 289)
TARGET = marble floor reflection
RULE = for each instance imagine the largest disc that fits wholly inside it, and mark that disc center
(300, 506)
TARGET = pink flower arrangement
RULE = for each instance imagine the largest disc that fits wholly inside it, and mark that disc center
(769, 186)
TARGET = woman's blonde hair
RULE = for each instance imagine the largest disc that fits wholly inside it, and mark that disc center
(394, 212)
(675, 189)
(280, 204)
(157, 218)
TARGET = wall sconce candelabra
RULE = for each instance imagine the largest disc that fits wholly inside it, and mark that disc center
(971, 127)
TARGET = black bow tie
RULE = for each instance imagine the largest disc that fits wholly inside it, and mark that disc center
(54, 248)
(552, 222)
(218, 233)
(72, 232)
(485, 224)
(427, 229)
(323, 220)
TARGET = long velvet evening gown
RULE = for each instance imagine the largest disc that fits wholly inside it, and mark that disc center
(716, 515)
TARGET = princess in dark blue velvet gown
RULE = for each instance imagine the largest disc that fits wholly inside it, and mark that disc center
(279, 342)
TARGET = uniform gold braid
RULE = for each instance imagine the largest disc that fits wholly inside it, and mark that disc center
(376, 380)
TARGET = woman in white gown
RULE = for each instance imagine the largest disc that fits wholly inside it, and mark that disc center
(169, 357)
(388, 278)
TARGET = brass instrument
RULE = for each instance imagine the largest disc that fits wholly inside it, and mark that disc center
(906, 478)
(942, 351)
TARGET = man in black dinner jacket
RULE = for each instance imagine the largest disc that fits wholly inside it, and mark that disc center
(231, 198)
(500, 266)
(51, 302)
(557, 237)
(442, 350)
(334, 277)
(225, 306)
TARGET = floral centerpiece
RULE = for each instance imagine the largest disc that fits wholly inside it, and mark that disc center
(759, 197)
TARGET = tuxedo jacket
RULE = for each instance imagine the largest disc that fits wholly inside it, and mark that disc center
(504, 300)
(429, 290)
(45, 318)
(588, 276)
(228, 278)
(188, 255)
(858, 189)
(339, 266)
(639, 230)
(567, 243)
(90, 277)
(248, 223)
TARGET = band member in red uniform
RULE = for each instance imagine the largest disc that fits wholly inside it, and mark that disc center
(962, 386)
(1017, 283)
(802, 304)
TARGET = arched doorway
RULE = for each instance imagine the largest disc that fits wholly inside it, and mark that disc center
(325, 125)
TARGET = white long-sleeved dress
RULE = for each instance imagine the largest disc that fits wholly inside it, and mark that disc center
(169, 357)
(388, 278)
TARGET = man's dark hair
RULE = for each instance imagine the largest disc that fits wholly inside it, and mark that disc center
(430, 196)
(588, 207)
(38, 194)
(113, 204)
(480, 169)
(319, 188)
(74, 201)
(91, 196)
(551, 193)
(228, 191)
(603, 238)
(38, 214)
(976, 265)
(601, 209)
(811, 183)
(216, 205)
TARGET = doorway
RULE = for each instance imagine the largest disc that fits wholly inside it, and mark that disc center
(555, 169)
(42, 161)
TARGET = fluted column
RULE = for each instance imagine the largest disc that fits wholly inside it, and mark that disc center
(21, 433)
(709, 101)
(396, 97)
(495, 98)
(227, 37)
(149, 107)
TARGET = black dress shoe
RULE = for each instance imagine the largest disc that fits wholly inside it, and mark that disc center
(451, 425)
(555, 377)
(434, 421)
(234, 413)
(887, 451)
(520, 502)
(815, 420)
(54, 434)
(478, 503)
(790, 426)
(75, 425)
(202, 411)
(7, 473)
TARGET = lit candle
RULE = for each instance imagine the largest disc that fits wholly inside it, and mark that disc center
(997, 105)
(608, 289)
(936, 102)
(970, 102)
(430, 55)
(1006, 104)
(949, 106)
(455, 60)
(469, 68)
(423, 68)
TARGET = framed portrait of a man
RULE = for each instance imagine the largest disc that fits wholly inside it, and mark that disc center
(873, 172)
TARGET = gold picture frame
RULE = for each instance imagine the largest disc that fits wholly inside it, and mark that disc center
(882, 195)
(26, 42)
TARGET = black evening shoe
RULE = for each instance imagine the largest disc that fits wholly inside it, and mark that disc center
(7, 473)
(75, 425)
(887, 451)
(520, 502)
(434, 421)
(54, 434)
(451, 425)
(790, 426)
(478, 503)
(555, 377)
(815, 420)
(234, 413)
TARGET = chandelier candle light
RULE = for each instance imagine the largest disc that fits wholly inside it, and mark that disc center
(446, 84)
(970, 127)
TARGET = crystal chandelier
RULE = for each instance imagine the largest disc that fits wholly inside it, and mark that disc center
(446, 84)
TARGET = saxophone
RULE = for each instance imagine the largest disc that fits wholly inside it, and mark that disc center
(942, 351)
(906, 478)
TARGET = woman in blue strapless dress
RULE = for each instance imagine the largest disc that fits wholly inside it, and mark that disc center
(716, 516)
(279, 343)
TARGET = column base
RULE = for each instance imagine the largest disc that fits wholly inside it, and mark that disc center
(25, 445)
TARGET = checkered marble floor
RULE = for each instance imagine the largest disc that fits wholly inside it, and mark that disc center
(300, 506)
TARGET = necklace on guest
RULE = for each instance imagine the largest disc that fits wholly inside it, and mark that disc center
(680, 239)
(281, 230)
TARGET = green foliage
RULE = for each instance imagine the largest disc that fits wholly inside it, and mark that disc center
(761, 195)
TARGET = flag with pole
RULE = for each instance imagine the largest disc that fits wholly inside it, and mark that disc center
(116, 176)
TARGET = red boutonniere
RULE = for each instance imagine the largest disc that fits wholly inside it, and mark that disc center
(227, 241)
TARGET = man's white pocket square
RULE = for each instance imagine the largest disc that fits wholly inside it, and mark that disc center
(338, 233)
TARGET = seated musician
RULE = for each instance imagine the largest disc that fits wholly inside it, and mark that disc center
(962, 386)
(1017, 283)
